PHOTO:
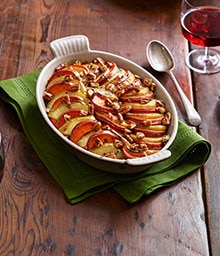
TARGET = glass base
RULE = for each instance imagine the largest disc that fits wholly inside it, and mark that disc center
(198, 61)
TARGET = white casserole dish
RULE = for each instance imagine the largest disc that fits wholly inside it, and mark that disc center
(77, 47)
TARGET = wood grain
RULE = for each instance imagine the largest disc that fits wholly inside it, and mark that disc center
(208, 91)
(35, 218)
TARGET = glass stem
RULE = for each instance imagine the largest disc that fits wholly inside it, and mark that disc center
(206, 53)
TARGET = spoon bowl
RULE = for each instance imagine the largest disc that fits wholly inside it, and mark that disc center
(161, 60)
(159, 57)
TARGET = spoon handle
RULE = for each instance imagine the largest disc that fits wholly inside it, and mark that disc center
(193, 116)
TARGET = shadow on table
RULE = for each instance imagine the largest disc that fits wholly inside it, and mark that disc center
(140, 5)
(217, 111)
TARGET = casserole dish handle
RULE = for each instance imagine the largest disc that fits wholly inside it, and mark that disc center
(71, 44)
(157, 157)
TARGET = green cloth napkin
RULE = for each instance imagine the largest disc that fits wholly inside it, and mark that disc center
(78, 180)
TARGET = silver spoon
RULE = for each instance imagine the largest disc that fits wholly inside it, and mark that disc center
(161, 60)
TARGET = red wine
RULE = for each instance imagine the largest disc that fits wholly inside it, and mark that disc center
(201, 26)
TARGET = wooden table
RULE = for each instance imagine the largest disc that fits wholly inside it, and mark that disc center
(35, 218)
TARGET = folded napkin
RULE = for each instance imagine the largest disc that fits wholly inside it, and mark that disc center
(78, 180)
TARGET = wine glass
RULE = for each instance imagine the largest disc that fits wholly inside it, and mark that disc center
(2, 158)
(200, 22)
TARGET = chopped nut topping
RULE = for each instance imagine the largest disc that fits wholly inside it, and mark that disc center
(140, 135)
(116, 105)
(111, 99)
(110, 155)
(161, 110)
(124, 109)
(47, 95)
(129, 138)
(166, 119)
(118, 144)
(67, 117)
(110, 87)
(94, 85)
(91, 109)
(120, 117)
(98, 143)
(143, 146)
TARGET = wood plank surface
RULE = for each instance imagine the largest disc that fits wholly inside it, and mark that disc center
(208, 102)
(35, 218)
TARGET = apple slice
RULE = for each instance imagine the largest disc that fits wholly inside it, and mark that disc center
(67, 99)
(108, 150)
(120, 76)
(99, 138)
(142, 109)
(113, 121)
(157, 145)
(129, 79)
(151, 130)
(129, 153)
(56, 113)
(154, 145)
(140, 98)
(109, 70)
(127, 85)
(112, 69)
(145, 118)
(80, 68)
(143, 139)
(67, 128)
(64, 78)
(83, 128)
(63, 86)
(66, 71)
(99, 102)
(150, 107)
(69, 114)
(143, 96)
(157, 109)
(57, 80)
(82, 142)
(100, 91)
(145, 115)
(50, 103)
